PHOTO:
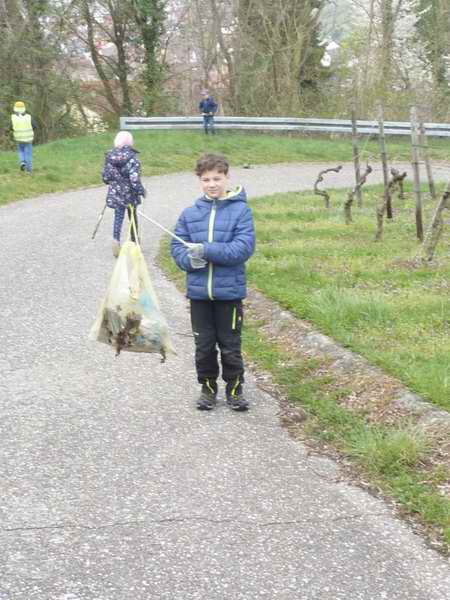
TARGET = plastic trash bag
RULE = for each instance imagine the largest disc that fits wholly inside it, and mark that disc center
(129, 318)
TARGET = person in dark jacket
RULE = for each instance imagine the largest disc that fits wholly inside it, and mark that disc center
(208, 108)
(122, 173)
(220, 238)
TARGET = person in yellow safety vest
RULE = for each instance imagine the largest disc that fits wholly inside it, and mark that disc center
(23, 126)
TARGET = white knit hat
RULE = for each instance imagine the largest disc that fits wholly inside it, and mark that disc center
(123, 138)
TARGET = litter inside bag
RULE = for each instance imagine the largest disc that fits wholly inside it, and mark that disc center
(129, 318)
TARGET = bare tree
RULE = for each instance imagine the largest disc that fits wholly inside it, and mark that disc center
(279, 56)
(90, 22)
(390, 11)
(33, 66)
(123, 38)
(149, 16)
(227, 52)
(433, 28)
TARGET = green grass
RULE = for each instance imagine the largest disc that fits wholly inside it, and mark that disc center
(363, 293)
(389, 452)
(77, 162)
(390, 458)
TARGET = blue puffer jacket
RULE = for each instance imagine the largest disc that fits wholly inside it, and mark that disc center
(207, 106)
(122, 173)
(225, 227)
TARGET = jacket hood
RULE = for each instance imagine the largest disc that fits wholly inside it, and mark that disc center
(120, 156)
(236, 194)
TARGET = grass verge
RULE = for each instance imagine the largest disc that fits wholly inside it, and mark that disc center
(397, 461)
(77, 162)
(366, 295)
(394, 461)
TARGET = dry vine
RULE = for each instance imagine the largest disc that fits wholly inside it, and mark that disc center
(324, 193)
(397, 179)
(351, 195)
(436, 227)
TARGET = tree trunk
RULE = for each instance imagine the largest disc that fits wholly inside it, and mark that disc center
(149, 17)
(227, 54)
(96, 58)
(119, 30)
(387, 32)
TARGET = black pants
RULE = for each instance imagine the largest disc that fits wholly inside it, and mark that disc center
(218, 324)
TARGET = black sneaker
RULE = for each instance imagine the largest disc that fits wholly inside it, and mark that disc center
(235, 397)
(208, 396)
(238, 402)
(22, 166)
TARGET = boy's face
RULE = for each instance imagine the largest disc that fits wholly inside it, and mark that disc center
(214, 183)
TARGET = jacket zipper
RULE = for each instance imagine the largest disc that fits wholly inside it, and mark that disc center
(212, 218)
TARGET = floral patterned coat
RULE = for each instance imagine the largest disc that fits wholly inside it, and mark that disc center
(122, 173)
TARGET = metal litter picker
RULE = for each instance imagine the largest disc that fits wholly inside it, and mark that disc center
(99, 220)
(175, 237)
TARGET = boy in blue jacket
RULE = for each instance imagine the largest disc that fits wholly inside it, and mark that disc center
(221, 238)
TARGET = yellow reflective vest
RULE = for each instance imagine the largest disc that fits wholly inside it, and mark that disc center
(22, 128)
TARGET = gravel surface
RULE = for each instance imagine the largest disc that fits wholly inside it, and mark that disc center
(113, 487)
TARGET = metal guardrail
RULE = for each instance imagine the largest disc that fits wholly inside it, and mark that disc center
(281, 124)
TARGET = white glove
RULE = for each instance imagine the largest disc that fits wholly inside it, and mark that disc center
(196, 250)
(195, 254)
(197, 263)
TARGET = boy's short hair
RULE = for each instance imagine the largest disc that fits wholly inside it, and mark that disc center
(212, 162)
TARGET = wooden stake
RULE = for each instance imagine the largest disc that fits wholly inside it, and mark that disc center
(426, 158)
(356, 159)
(384, 164)
(415, 166)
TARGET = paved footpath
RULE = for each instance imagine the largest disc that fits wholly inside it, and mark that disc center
(113, 487)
